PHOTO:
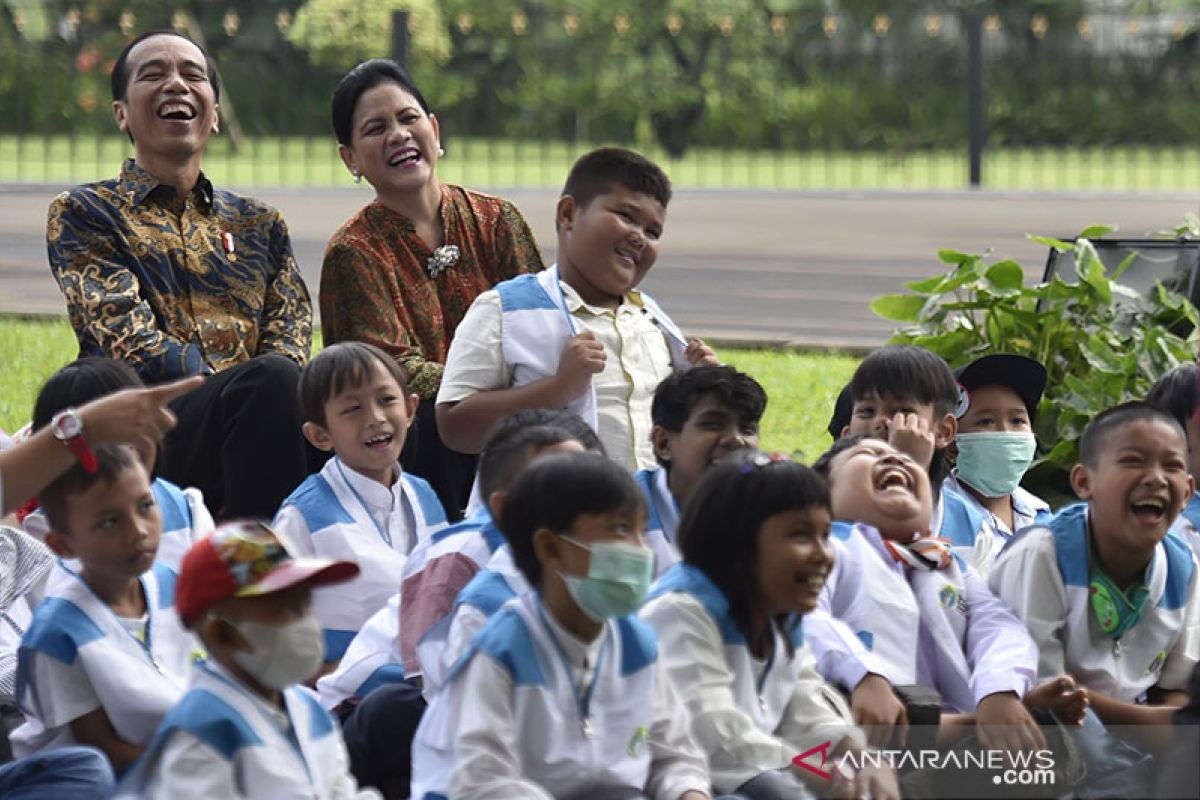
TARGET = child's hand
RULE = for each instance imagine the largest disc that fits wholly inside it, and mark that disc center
(911, 434)
(877, 782)
(1002, 723)
(699, 354)
(879, 712)
(1061, 696)
(582, 358)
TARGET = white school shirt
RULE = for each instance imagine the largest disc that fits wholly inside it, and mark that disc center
(1043, 575)
(943, 629)
(662, 518)
(509, 725)
(372, 660)
(225, 741)
(185, 519)
(748, 716)
(639, 355)
(1187, 524)
(338, 513)
(976, 533)
(78, 656)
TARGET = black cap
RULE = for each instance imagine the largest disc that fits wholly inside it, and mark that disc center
(1024, 375)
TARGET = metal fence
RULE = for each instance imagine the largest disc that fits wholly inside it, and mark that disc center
(1074, 96)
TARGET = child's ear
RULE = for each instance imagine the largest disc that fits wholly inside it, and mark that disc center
(660, 437)
(944, 430)
(410, 407)
(1191, 490)
(951, 451)
(547, 547)
(60, 544)
(1081, 482)
(564, 212)
(845, 431)
(318, 437)
(495, 503)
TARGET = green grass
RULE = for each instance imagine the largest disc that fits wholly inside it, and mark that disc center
(313, 161)
(801, 386)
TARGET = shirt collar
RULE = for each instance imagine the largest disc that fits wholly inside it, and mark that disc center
(575, 302)
(136, 184)
(580, 654)
(379, 498)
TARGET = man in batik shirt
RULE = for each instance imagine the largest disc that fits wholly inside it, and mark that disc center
(177, 278)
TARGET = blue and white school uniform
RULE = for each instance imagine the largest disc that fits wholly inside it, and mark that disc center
(749, 715)
(1043, 575)
(486, 593)
(223, 740)
(967, 644)
(1187, 524)
(436, 571)
(976, 533)
(662, 518)
(532, 712)
(185, 519)
(339, 514)
(77, 656)
(372, 660)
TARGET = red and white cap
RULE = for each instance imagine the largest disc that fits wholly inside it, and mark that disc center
(245, 558)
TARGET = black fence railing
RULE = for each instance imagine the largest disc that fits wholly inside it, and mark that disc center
(725, 95)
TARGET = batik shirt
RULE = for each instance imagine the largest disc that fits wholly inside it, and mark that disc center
(176, 286)
(376, 287)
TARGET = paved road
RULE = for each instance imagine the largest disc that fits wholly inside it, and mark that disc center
(779, 267)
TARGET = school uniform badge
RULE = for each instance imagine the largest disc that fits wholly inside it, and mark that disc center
(637, 742)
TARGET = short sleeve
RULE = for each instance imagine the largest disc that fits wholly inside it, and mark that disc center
(476, 362)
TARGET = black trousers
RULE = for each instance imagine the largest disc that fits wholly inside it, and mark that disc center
(379, 733)
(449, 472)
(239, 440)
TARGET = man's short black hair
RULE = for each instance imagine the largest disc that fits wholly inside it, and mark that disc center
(1175, 393)
(553, 492)
(55, 499)
(604, 169)
(80, 382)
(357, 82)
(1100, 429)
(341, 365)
(119, 80)
(514, 440)
(907, 372)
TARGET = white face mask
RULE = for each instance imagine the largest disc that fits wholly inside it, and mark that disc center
(283, 655)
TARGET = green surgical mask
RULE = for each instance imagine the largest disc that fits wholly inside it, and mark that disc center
(618, 579)
(993, 462)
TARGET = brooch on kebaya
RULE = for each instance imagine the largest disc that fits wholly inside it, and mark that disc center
(442, 259)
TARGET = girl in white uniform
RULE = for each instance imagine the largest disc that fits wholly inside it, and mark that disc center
(755, 556)
(561, 694)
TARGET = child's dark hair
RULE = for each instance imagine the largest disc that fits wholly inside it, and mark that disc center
(1175, 393)
(677, 396)
(553, 492)
(906, 372)
(606, 168)
(824, 462)
(718, 533)
(80, 382)
(515, 439)
(357, 82)
(339, 366)
(843, 411)
(1096, 434)
(111, 461)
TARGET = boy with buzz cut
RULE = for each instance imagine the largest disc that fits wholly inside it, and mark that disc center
(700, 416)
(578, 335)
(1108, 594)
(105, 657)
(244, 728)
(360, 507)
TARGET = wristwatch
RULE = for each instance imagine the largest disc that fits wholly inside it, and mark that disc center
(67, 427)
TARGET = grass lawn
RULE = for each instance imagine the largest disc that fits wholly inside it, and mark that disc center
(313, 161)
(801, 387)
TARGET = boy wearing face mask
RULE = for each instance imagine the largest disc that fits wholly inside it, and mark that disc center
(561, 695)
(245, 728)
(994, 446)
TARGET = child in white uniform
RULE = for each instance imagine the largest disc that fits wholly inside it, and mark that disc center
(245, 729)
(755, 557)
(1106, 592)
(1175, 393)
(561, 694)
(105, 657)
(360, 507)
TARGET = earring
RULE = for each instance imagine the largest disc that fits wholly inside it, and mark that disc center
(441, 150)
(357, 176)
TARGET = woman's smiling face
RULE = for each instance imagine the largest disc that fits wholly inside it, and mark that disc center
(394, 142)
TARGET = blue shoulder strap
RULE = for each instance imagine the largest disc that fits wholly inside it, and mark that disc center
(683, 577)
(639, 645)
(211, 720)
(507, 640)
(431, 505)
(487, 591)
(172, 505)
(1179, 572)
(318, 504)
(1069, 529)
(961, 520)
(645, 481)
(523, 293)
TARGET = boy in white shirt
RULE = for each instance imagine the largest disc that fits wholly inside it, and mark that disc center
(245, 729)
(577, 335)
(105, 657)
(1175, 393)
(360, 507)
